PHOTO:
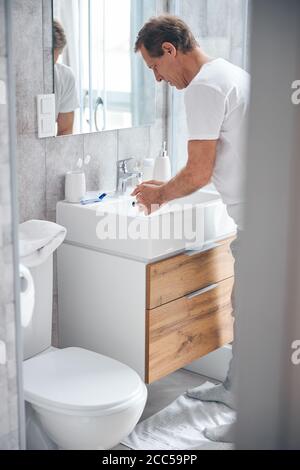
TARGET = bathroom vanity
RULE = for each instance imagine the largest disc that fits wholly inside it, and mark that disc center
(188, 308)
(155, 315)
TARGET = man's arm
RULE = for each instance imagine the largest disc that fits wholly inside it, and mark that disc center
(65, 123)
(196, 174)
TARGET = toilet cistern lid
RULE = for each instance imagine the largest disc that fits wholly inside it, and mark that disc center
(78, 379)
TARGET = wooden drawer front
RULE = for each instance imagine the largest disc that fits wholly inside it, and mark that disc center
(181, 331)
(174, 277)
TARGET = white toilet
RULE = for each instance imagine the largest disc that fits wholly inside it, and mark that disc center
(76, 399)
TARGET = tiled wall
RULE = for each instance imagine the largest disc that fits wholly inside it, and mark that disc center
(43, 163)
(8, 378)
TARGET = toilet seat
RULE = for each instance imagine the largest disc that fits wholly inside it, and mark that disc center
(77, 381)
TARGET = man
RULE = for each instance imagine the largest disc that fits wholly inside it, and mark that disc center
(66, 100)
(216, 101)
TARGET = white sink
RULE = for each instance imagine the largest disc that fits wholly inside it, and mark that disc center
(116, 226)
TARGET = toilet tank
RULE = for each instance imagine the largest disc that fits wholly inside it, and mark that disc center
(37, 335)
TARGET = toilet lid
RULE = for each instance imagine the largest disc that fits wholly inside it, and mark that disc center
(77, 379)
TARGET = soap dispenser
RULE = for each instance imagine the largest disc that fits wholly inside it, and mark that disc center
(162, 166)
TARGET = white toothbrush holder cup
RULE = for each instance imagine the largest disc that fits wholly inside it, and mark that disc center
(75, 186)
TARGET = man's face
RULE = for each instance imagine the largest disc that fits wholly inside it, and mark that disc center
(166, 67)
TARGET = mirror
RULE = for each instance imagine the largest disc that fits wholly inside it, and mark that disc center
(99, 82)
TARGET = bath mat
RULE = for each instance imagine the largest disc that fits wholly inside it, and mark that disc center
(180, 426)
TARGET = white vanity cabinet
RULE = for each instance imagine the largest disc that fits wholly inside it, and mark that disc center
(101, 304)
(155, 317)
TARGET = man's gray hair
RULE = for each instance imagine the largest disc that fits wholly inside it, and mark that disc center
(59, 36)
(165, 28)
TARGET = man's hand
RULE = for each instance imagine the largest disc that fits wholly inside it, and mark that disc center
(196, 174)
(149, 195)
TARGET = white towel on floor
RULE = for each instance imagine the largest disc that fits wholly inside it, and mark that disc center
(38, 239)
(180, 426)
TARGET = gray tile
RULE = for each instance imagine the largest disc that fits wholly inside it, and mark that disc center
(9, 441)
(8, 285)
(54, 341)
(48, 71)
(55, 303)
(62, 154)
(28, 40)
(31, 177)
(7, 233)
(2, 29)
(5, 425)
(8, 246)
(10, 313)
(51, 213)
(4, 133)
(5, 180)
(6, 216)
(13, 408)
(28, 60)
(47, 23)
(133, 143)
(4, 143)
(26, 112)
(101, 172)
(12, 369)
(3, 72)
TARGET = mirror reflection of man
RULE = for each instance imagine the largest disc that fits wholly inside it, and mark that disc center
(66, 99)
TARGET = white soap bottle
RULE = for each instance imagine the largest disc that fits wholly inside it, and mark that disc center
(162, 166)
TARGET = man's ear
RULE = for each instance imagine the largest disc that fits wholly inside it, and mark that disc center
(169, 48)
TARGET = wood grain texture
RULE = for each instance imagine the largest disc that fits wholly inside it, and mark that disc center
(179, 275)
(182, 331)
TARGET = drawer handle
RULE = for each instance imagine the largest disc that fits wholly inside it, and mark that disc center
(207, 247)
(202, 291)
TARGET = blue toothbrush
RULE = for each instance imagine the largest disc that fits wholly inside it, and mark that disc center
(99, 198)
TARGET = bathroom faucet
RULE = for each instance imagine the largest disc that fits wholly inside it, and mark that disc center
(123, 175)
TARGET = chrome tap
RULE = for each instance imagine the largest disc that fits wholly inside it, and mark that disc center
(123, 175)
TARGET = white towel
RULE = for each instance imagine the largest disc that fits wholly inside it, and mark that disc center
(180, 426)
(38, 239)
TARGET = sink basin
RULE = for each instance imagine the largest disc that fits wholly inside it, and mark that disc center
(114, 225)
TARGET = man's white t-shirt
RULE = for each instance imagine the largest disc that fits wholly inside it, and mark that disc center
(66, 99)
(216, 103)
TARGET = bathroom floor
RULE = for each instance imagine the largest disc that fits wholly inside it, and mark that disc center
(162, 392)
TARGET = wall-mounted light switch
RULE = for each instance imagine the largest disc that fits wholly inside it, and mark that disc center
(2, 353)
(46, 105)
(46, 115)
